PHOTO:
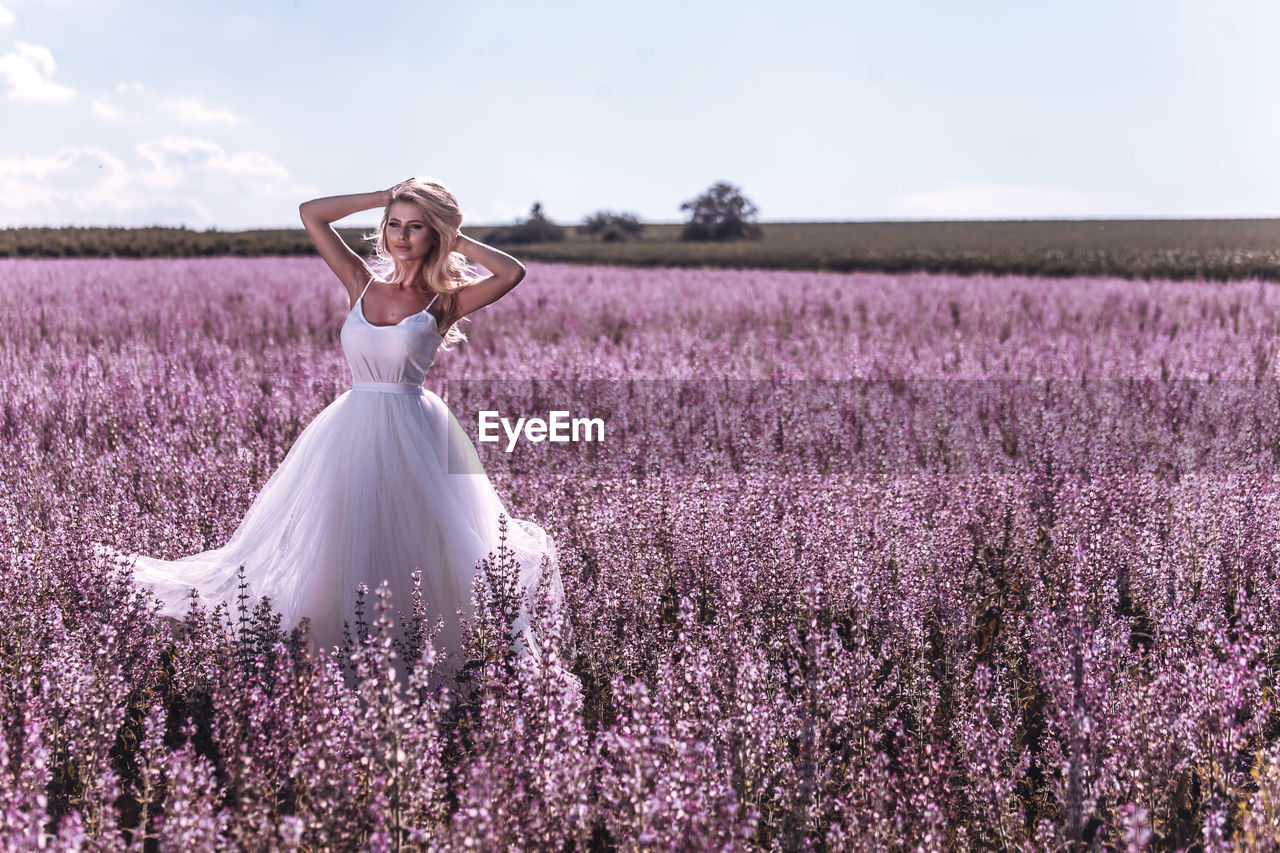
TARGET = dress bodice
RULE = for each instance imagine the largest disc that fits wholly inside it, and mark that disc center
(399, 353)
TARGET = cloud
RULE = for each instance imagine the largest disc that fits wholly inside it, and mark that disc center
(63, 161)
(27, 69)
(102, 109)
(74, 177)
(1002, 201)
(125, 101)
(193, 111)
(177, 160)
(169, 180)
(6, 17)
(134, 101)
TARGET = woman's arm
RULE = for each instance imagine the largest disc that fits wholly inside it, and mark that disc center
(506, 273)
(318, 213)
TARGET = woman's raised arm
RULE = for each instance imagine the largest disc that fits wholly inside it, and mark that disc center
(506, 273)
(317, 216)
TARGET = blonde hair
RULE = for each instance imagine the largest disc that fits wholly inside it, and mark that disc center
(444, 271)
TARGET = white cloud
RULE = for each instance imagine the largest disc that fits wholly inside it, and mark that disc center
(193, 111)
(70, 180)
(1002, 201)
(6, 17)
(178, 160)
(27, 69)
(102, 109)
(134, 101)
(126, 100)
(174, 179)
(43, 166)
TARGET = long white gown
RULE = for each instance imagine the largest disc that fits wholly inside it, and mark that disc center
(384, 480)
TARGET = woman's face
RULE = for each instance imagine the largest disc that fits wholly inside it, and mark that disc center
(408, 236)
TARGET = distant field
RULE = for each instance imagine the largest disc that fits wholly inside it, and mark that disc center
(1176, 249)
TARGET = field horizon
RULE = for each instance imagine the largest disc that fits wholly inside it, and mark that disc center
(1176, 249)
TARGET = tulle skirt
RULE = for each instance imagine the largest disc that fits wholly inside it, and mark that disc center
(377, 485)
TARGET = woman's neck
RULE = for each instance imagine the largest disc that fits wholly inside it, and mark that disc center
(413, 276)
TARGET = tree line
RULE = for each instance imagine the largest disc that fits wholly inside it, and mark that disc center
(720, 213)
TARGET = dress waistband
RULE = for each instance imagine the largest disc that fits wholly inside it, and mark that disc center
(387, 387)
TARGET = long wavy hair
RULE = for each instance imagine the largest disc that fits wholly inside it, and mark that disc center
(445, 271)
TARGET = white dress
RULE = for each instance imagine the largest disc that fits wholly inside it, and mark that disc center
(384, 480)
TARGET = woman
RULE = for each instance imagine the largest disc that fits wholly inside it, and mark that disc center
(384, 480)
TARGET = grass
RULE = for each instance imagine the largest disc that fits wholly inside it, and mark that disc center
(1149, 249)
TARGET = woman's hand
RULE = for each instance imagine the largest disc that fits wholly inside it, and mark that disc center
(390, 193)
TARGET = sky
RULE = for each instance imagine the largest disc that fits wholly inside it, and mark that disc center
(228, 114)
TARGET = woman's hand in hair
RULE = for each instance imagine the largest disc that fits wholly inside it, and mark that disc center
(392, 191)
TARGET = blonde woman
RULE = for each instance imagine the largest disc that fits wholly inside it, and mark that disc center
(384, 480)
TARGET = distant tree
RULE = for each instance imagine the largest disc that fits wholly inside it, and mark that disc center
(720, 213)
(612, 227)
(538, 228)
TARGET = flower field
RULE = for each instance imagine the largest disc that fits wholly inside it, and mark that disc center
(864, 562)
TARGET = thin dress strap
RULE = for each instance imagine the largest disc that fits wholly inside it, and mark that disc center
(432, 302)
(366, 288)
